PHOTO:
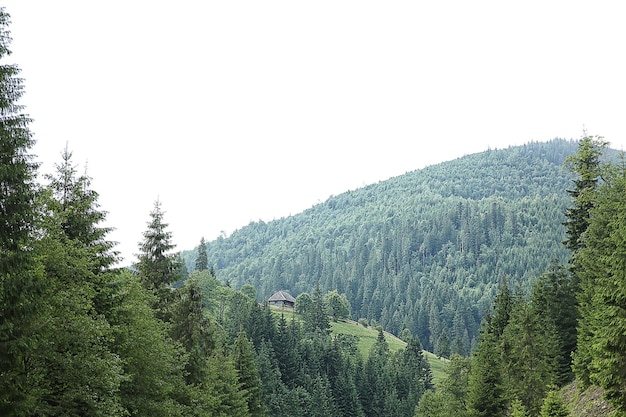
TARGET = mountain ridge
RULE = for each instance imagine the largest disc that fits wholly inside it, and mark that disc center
(424, 250)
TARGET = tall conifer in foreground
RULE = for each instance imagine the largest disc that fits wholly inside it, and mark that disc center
(603, 272)
(20, 280)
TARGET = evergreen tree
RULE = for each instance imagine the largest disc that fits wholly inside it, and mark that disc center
(202, 262)
(285, 348)
(554, 301)
(219, 395)
(193, 330)
(82, 372)
(377, 382)
(518, 409)
(502, 307)
(21, 282)
(585, 164)
(153, 364)
(553, 406)
(274, 391)
(243, 355)
(528, 353)
(602, 343)
(486, 396)
(157, 265)
(316, 320)
(442, 347)
(78, 211)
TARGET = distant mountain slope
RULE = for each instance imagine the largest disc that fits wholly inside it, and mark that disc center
(424, 250)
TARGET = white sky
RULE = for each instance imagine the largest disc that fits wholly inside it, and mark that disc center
(234, 111)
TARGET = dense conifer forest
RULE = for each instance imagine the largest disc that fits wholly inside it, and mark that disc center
(511, 264)
(425, 251)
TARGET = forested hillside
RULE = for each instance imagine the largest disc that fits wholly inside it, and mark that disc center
(425, 250)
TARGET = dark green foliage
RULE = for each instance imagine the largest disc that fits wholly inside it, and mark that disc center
(450, 398)
(315, 319)
(554, 302)
(528, 348)
(442, 347)
(248, 375)
(21, 282)
(486, 392)
(82, 373)
(602, 271)
(152, 363)
(193, 330)
(585, 164)
(157, 265)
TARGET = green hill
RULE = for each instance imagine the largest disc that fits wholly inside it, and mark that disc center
(423, 251)
(366, 337)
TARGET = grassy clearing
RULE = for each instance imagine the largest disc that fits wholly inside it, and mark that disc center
(367, 337)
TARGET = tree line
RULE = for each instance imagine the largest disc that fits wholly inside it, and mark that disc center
(81, 336)
(570, 325)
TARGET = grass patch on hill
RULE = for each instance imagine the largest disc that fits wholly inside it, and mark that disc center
(367, 337)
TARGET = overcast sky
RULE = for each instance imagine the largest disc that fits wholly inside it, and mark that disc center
(235, 111)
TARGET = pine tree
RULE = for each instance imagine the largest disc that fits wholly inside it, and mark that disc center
(202, 262)
(21, 283)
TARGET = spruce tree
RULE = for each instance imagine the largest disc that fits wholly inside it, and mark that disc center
(78, 210)
(603, 272)
(157, 265)
(193, 330)
(21, 283)
(202, 262)
(585, 164)
(553, 299)
(248, 375)
(486, 395)
(553, 406)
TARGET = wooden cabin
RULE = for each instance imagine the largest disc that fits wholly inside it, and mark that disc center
(282, 299)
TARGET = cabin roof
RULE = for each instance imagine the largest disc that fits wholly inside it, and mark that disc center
(282, 296)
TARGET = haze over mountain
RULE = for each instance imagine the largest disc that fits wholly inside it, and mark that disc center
(425, 250)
